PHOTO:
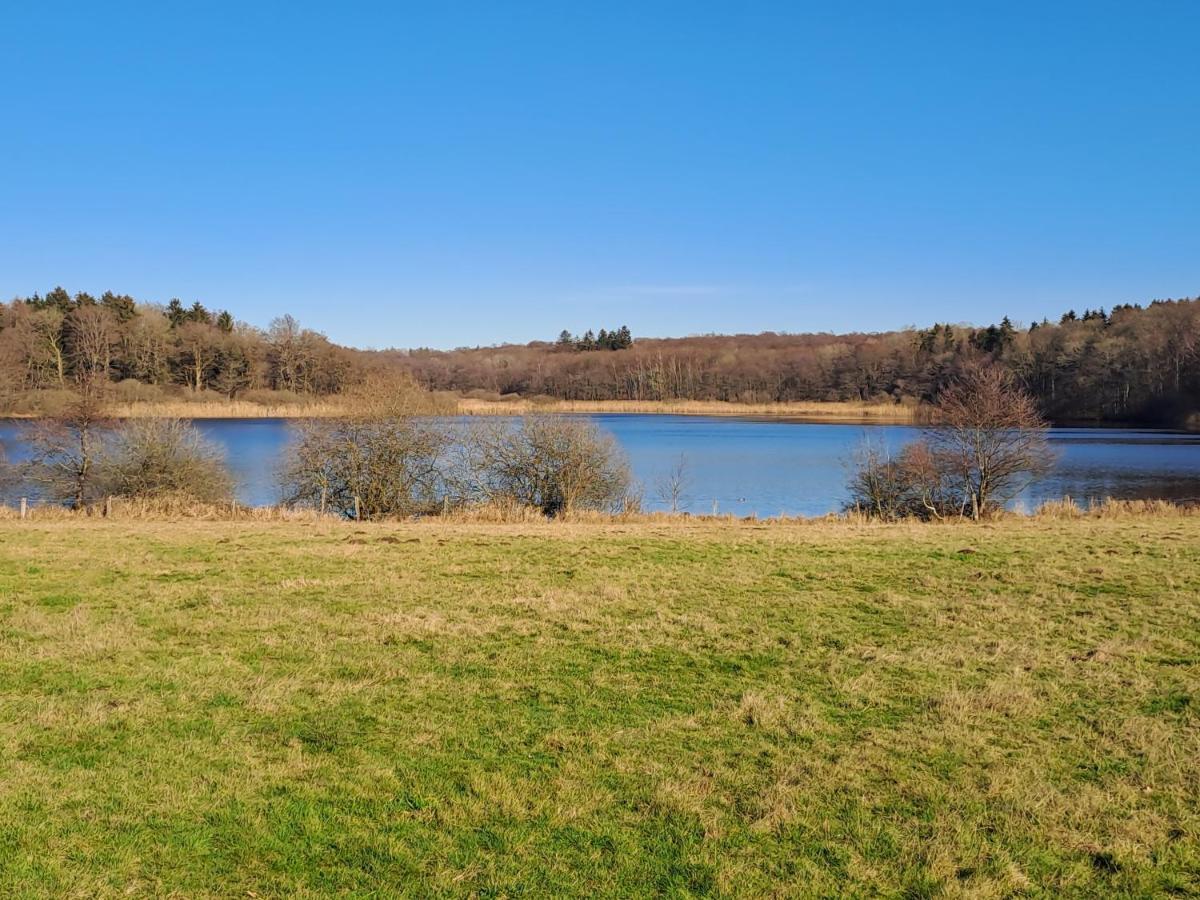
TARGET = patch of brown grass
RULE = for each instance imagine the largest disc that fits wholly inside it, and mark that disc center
(814, 411)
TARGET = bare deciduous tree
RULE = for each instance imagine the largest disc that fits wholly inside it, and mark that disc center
(146, 343)
(673, 485)
(198, 346)
(37, 345)
(990, 437)
(66, 447)
(91, 336)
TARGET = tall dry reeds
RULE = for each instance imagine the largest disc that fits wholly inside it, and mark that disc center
(894, 413)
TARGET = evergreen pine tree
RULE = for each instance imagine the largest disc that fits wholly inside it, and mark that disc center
(176, 314)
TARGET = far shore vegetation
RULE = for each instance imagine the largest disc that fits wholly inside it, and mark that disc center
(282, 405)
(1132, 363)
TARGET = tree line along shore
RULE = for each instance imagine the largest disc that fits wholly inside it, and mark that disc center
(1130, 363)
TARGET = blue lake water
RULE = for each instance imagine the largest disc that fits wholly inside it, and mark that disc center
(771, 467)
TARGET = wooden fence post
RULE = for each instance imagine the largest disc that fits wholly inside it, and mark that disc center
(24, 507)
(357, 510)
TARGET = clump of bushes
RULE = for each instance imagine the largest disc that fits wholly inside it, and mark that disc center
(46, 402)
(987, 442)
(915, 483)
(81, 457)
(368, 468)
(381, 467)
(157, 458)
(130, 390)
(551, 463)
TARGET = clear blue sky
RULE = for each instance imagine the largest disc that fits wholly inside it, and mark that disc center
(458, 173)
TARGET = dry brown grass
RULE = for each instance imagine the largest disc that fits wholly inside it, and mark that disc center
(227, 409)
(1110, 508)
(816, 411)
(168, 509)
(332, 407)
(162, 509)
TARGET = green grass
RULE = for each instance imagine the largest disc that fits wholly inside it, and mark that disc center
(223, 709)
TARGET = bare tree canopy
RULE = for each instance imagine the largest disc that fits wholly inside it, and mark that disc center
(67, 447)
(990, 436)
(987, 444)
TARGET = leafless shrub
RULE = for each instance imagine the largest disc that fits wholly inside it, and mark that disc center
(41, 402)
(164, 458)
(130, 390)
(367, 468)
(877, 485)
(912, 483)
(391, 395)
(552, 463)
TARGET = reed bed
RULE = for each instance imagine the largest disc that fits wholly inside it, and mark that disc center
(181, 509)
(182, 408)
(898, 413)
(1110, 508)
(229, 409)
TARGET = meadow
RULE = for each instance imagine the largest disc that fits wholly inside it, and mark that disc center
(610, 708)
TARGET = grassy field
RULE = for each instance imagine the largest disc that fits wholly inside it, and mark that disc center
(745, 709)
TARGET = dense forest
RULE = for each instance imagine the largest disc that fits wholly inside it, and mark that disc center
(1130, 363)
(45, 341)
